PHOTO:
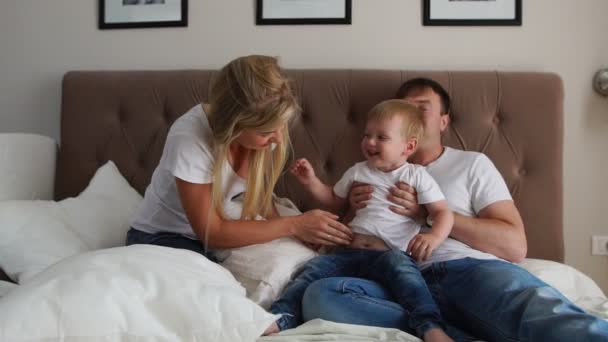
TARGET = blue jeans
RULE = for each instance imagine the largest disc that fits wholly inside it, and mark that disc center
(167, 239)
(489, 299)
(393, 269)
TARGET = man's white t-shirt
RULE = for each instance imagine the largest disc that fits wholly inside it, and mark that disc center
(187, 155)
(470, 182)
(376, 218)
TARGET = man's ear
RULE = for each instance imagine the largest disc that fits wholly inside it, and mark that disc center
(444, 122)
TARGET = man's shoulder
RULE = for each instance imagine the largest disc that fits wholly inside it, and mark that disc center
(471, 159)
(463, 155)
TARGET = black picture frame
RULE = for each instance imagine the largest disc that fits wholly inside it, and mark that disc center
(104, 24)
(429, 21)
(261, 20)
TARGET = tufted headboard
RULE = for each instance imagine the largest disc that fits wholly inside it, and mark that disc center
(515, 118)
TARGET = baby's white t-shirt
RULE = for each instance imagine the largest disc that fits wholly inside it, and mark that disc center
(376, 218)
(187, 155)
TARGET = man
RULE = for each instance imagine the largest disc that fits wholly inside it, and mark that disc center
(479, 293)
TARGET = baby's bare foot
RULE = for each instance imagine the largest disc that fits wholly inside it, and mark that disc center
(272, 329)
(436, 335)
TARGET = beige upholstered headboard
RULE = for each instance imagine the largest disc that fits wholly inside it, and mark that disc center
(515, 118)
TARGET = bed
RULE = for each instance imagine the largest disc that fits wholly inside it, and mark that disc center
(516, 118)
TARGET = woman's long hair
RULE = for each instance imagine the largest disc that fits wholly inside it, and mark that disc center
(251, 93)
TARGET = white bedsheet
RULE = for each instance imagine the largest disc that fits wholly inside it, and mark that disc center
(5, 287)
(151, 293)
(320, 330)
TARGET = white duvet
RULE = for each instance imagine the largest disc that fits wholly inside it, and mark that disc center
(137, 293)
(149, 293)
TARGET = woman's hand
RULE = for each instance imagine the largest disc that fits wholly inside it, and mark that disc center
(406, 199)
(358, 195)
(303, 171)
(321, 227)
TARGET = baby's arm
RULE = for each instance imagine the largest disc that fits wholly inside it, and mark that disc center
(323, 193)
(423, 245)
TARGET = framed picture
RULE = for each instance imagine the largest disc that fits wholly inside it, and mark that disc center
(472, 12)
(118, 14)
(303, 12)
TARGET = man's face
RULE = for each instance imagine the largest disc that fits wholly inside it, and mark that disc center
(434, 121)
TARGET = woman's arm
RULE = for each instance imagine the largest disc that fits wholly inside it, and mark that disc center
(315, 226)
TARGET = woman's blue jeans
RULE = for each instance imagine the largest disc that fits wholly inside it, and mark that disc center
(166, 239)
(484, 299)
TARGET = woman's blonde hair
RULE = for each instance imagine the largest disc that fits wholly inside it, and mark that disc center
(251, 92)
(413, 124)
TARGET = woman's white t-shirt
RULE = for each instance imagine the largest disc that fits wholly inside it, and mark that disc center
(187, 155)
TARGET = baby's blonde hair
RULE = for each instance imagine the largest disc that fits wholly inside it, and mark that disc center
(413, 124)
(251, 92)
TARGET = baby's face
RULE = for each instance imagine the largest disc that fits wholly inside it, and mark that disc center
(383, 144)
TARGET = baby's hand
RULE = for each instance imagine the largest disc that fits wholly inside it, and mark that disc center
(423, 245)
(303, 171)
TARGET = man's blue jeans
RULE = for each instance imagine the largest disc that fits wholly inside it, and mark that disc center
(489, 299)
(393, 269)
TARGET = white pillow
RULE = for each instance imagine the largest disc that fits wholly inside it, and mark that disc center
(5, 287)
(569, 281)
(36, 234)
(136, 293)
(265, 269)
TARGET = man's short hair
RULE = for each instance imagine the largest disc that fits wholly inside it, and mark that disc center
(421, 84)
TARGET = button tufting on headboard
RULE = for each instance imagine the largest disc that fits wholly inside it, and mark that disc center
(513, 117)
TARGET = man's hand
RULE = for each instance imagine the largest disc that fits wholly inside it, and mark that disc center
(303, 171)
(423, 245)
(359, 194)
(406, 199)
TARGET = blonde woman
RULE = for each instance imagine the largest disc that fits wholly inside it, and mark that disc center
(234, 147)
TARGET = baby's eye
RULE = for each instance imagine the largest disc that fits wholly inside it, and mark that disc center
(383, 137)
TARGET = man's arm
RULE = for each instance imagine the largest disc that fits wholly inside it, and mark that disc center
(498, 230)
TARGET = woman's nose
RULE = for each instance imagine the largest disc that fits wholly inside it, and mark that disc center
(278, 137)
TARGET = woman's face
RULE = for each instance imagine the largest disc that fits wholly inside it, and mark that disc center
(260, 139)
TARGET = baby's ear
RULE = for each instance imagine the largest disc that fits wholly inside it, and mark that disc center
(410, 146)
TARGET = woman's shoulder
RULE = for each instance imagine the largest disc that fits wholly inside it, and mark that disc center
(193, 123)
(191, 131)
